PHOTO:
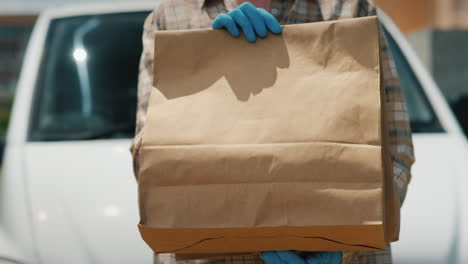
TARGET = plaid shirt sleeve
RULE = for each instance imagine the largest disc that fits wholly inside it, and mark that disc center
(399, 131)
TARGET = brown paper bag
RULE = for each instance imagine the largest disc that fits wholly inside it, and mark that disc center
(277, 145)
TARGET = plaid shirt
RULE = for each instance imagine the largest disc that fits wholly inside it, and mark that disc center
(191, 14)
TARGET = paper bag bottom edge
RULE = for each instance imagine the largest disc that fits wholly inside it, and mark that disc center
(242, 240)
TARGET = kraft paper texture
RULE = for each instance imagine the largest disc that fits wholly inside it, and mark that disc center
(278, 145)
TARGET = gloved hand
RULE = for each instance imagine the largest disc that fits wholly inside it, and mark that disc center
(253, 22)
(288, 257)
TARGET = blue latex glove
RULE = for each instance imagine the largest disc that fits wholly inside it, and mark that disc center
(288, 257)
(253, 22)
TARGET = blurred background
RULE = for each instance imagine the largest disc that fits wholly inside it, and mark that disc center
(438, 31)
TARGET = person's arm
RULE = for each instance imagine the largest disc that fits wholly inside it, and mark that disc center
(145, 84)
(399, 131)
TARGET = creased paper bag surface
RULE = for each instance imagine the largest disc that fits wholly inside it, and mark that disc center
(269, 146)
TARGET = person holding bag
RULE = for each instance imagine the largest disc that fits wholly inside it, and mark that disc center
(255, 22)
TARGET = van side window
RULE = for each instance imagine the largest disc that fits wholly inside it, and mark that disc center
(422, 116)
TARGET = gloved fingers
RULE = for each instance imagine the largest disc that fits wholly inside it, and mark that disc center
(312, 258)
(270, 257)
(244, 23)
(324, 258)
(290, 257)
(270, 21)
(225, 21)
(330, 257)
(255, 18)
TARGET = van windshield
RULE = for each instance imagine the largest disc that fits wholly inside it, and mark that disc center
(87, 86)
